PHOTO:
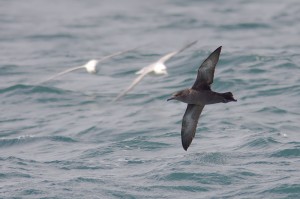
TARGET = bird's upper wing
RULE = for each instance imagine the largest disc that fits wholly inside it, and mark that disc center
(187, 46)
(206, 71)
(170, 55)
(189, 124)
(167, 57)
(117, 53)
(143, 72)
(61, 73)
(146, 70)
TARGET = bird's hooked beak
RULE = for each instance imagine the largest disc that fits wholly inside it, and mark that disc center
(171, 98)
(176, 95)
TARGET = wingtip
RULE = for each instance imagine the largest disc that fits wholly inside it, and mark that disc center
(217, 52)
(194, 42)
(170, 99)
(185, 145)
(188, 46)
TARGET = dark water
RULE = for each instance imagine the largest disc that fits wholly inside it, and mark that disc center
(65, 139)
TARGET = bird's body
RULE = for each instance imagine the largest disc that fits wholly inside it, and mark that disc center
(158, 68)
(198, 96)
(90, 66)
(201, 97)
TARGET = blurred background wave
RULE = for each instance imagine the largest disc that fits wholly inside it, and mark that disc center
(66, 139)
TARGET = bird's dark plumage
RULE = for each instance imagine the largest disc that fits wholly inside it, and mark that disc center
(189, 124)
(198, 96)
(205, 76)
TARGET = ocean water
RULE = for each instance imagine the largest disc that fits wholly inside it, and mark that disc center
(66, 139)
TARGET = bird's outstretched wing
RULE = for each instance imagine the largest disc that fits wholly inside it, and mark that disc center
(116, 54)
(135, 82)
(170, 55)
(61, 73)
(187, 46)
(99, 61)
(144, 71)
(206, 71)
(189, 124)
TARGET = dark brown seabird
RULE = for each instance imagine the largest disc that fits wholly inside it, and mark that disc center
(198, 96)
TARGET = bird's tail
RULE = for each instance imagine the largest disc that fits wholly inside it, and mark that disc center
(228, 97)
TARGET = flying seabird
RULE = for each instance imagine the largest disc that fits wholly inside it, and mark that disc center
(158, 68)
(90, 66)
(198, 96)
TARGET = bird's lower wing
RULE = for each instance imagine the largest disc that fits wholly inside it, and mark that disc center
(132, 85)
(61, 73)
(189, 124)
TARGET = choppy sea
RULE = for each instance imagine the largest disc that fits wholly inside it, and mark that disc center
(66, 139)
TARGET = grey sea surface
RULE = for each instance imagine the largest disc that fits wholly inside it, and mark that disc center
(66, 139)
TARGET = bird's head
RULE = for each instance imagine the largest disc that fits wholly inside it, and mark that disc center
(180, 95)
(160, 69)
(90, 66)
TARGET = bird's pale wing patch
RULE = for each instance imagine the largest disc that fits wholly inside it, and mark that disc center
(189, 124)
(206, 71)
(144, 71)
(167, 57)
(61, 73)
(170, 55)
